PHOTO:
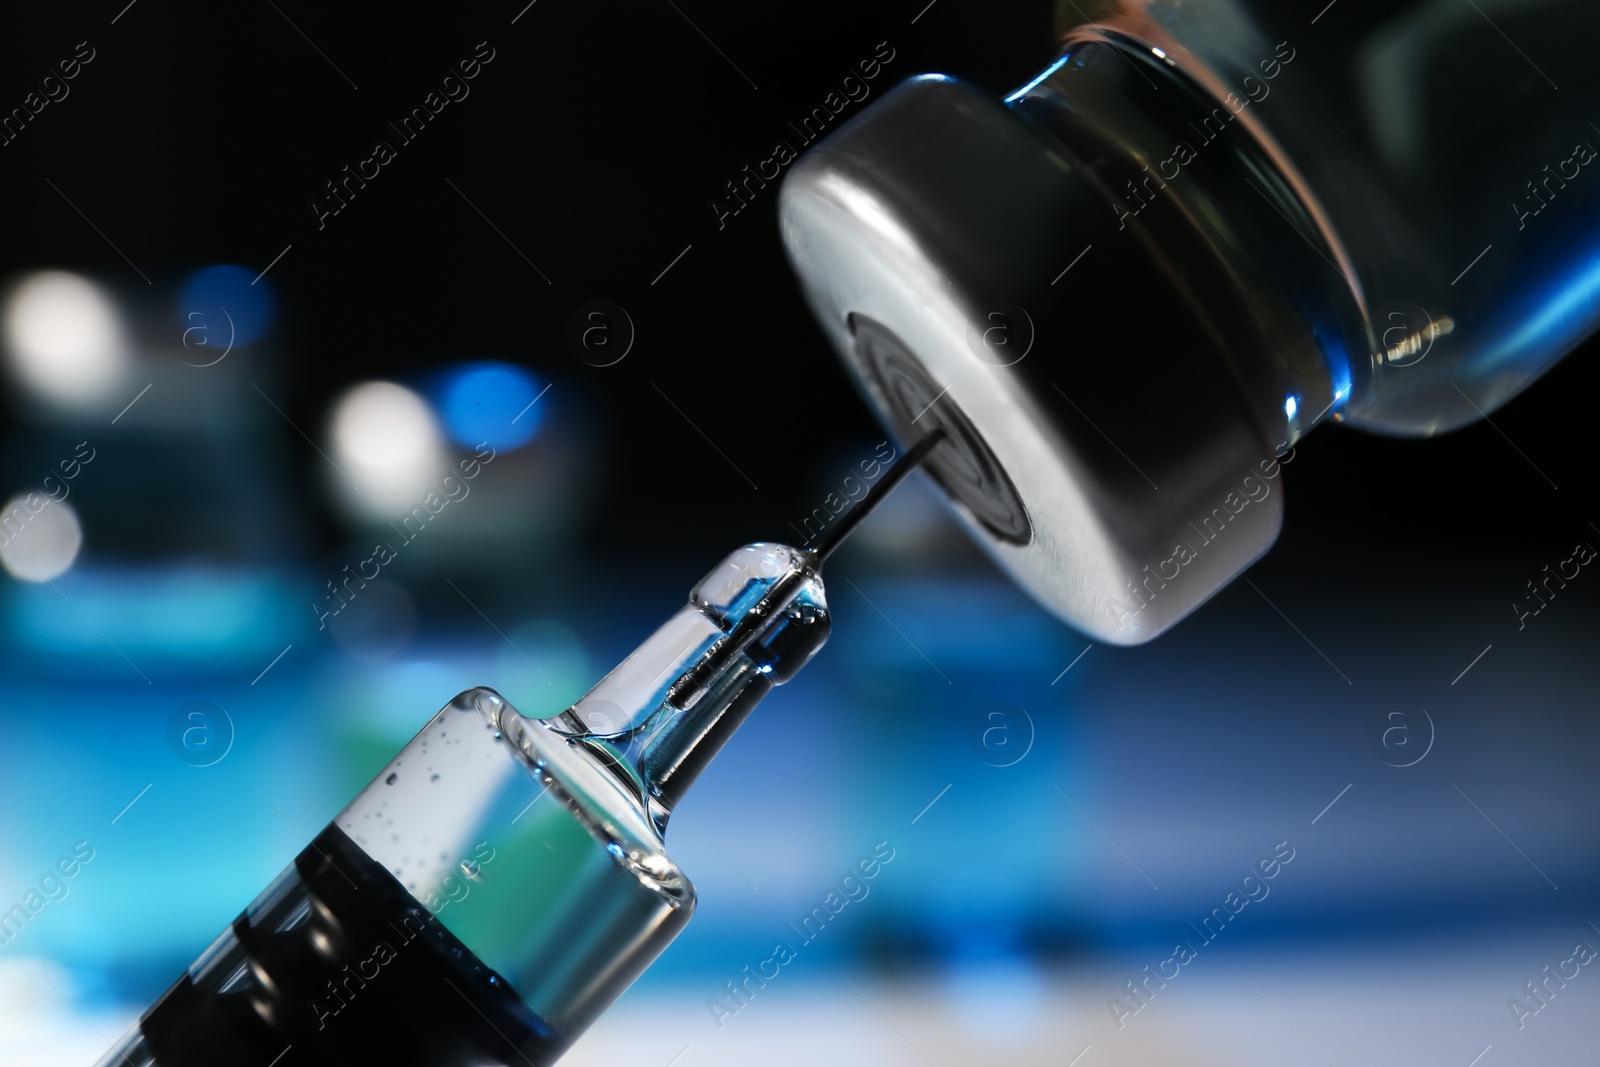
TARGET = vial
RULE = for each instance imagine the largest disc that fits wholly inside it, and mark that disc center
(1126, 290)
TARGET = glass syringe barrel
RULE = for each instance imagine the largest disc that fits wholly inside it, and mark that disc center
(750, 624)
(503, 879)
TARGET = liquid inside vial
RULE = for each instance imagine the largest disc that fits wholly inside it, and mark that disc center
(493, 889)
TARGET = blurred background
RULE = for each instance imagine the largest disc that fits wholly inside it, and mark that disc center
(227, 382)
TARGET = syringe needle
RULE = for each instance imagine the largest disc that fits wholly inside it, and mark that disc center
(864, 506)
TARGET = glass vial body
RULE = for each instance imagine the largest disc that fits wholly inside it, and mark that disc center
(1411, 174)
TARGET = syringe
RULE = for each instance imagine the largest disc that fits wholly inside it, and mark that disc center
(503, 879)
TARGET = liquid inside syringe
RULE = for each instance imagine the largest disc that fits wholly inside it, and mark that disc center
(503, 879)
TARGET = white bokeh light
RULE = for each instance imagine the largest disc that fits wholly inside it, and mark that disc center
(386, 441)
(64, 339)
(39, 537)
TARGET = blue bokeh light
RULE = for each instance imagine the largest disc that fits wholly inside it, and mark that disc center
(490, 402)
(225, 307)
